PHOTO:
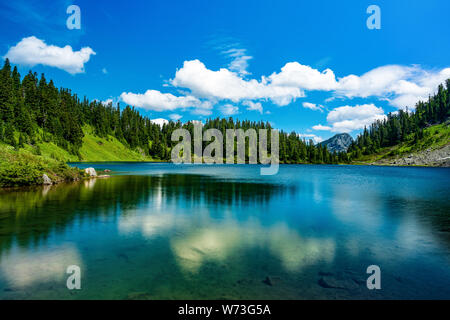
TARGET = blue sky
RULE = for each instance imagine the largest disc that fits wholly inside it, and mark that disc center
(257, 60)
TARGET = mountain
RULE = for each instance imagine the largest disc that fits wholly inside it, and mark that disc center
(338, 143)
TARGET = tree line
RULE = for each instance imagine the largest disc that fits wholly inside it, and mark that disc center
(33, 109)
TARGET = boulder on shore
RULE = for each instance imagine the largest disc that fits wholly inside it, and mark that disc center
(90, 172)
(46, 179)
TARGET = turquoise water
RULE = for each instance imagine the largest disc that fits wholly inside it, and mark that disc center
(161, 231)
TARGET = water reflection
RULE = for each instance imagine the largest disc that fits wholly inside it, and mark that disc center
(30, 216)
(213, 231)
(218, 243)
(24, 268)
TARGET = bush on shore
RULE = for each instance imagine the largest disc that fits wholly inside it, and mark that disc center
(22, 168)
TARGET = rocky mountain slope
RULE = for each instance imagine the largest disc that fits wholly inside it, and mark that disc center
(338, 143)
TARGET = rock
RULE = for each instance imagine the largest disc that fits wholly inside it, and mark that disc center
(107, 170)
(90, 172)
(267, 281)
(335, 283)
(326, 283)
(46, 179)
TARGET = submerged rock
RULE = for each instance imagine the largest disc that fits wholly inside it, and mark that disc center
(90, 172)
(268, 281)
(46, 179)
(329, 282)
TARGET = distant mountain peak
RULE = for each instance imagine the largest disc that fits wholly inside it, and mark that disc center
(339, 142)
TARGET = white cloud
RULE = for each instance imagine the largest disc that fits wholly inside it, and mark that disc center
(157, 101)
(175, 116)
(203, 88)
(229, 110)
(313, 106)
(402, 86)
(107, 101)
(348, 118)
(227, 85)
(257, 106)
(160, 121)
(313, 137)
(32, 51)
(320, 127)
(294, 74)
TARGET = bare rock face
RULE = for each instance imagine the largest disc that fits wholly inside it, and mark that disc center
(338, 143)
(46, 179)
(90, 172)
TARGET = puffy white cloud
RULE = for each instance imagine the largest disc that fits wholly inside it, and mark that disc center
(160, 121)
(32, 51)
(257, 106)
(229, 110)
(310, 136)
(348, 118)
(294, 74)
(157, 101)
(402, 86)
(227, 85)
(313, 106)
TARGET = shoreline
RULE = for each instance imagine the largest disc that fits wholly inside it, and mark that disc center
(105, 173)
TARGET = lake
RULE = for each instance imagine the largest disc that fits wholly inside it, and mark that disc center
(162, 231)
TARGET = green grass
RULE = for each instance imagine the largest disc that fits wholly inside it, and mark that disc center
(107, 149)
(94, 149)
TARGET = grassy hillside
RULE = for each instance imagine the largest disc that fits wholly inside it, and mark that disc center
(26, 165)
(435, 137)
(94, 149)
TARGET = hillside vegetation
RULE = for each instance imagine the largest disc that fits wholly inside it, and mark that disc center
(432, 149)
(22, 167)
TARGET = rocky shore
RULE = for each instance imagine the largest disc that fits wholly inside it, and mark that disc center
(429, 157)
